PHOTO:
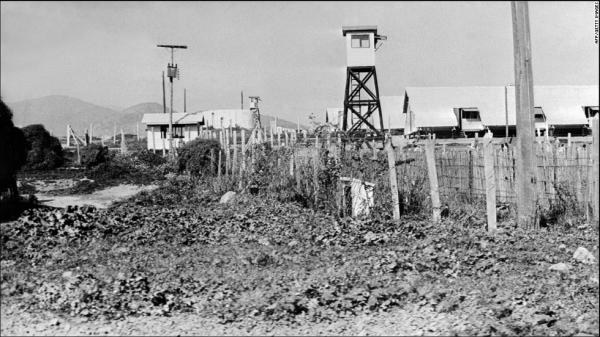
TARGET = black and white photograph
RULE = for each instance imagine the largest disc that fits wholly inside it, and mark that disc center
(299, 168)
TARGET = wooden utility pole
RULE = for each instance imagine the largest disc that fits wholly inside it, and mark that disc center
(164, 94)
(525, 174)
(596, 169)
(506, 112)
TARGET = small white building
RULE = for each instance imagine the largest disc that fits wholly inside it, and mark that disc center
(456, 111)
(187, 126)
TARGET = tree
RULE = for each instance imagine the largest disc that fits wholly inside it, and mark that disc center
(45, 150)
(13, 152)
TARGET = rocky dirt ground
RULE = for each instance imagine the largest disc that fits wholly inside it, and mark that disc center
(176, 261)
(413, 321)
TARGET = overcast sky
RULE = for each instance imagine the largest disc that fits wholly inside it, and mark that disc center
(290, 54)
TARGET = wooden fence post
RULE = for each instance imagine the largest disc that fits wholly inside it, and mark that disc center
(595, 164)
(374, 157)
(393, 178)
(212, 160)
(242, 158)
(433, 178)
(490, 182)
(68, 135)
(470, 171)
(235, 153)
(124, 143)
(219, 167)
(292, 164)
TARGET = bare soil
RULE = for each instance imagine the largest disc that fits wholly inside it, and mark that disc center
(100, 199)
(409, 321)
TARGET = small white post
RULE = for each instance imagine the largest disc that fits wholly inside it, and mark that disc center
(433, 179)
(490, 182)
(68, 135)
(393, 178)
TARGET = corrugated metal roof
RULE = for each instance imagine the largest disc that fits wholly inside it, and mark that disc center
(237, 118)
(391, 110)
(179, 118)
(562, 105)
(434, 106)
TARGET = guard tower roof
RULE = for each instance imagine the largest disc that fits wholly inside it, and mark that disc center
(362, 29)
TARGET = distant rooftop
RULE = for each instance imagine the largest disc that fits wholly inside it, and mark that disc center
(350, 29)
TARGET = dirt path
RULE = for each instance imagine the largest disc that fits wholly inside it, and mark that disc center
(409, 321)
(99, 199)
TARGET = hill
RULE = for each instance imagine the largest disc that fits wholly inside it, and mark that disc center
(56, 111)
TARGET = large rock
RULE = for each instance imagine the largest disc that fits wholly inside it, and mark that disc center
(560, 267)
(584, 256)
(227, 197)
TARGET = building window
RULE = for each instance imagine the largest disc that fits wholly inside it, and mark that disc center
(360, 41)
(590, 111)
(163, 131)
(178, 131)
(470, 114)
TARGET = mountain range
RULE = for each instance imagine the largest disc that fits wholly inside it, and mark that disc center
(55, 112)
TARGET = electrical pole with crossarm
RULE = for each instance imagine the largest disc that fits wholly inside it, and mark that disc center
(172, 72)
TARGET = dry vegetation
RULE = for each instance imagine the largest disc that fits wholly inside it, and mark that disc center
(286, 256)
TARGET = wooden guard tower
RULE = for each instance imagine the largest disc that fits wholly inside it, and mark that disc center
(361, 97)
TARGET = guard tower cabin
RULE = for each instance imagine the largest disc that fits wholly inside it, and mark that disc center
(360, 45)
(361, 97)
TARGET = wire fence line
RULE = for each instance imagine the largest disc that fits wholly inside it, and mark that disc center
(564, 171)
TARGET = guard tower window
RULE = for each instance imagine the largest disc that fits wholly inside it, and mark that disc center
(470, 114)
(361, 41)
(590, 111)
(538, 115)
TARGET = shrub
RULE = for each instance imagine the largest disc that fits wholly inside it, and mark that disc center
(45, 150)
(148, 158)
(13, 154)
(194, 157)
(93, 155)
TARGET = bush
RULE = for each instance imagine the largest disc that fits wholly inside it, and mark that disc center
(148, 158)
(194, 157)
(45, 150)
(93, 155)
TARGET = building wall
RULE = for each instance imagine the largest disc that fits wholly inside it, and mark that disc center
(235, 118)
(156, 142)
(360, 56)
